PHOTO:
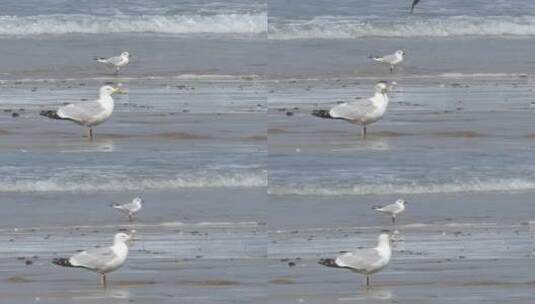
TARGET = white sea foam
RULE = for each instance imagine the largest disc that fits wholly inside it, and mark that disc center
(123, 182)
(246, 23)
(344, 28)
(475, 185)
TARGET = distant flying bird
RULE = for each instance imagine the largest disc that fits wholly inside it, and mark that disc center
(393, 209)
(392, 59)
(414, 2)
(361, 112)
(117, 61)
(100, 260)
(130, 208)
(364, 261)
(87, 113)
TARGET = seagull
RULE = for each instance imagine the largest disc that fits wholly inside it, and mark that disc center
(100, 260)
(392, 59)
(87, 113)
(364, 261)
(130, 208)
(393, 209)
(414, 2)
(361, 112)
(117, 61)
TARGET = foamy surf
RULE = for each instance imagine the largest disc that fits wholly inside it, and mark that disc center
(495, 185)
(244, 23)
(336, 27)
(126, 182)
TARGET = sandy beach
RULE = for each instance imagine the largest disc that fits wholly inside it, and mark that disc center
(467, 236)
(199, 164)
(243, 190)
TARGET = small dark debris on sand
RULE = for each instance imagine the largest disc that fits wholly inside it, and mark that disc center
(281, 281)
(277, 131)
(208, 283)
(18, 279)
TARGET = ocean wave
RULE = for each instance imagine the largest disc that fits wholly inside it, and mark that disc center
(344, 28)
(186, 77)
(246, 23)
(474, 185)
(124, 182)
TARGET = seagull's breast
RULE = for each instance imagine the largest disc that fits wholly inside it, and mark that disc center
(385, 255)
(121, 253)
(124, 61)
(102, 116)
(372, 116)
(398, 59)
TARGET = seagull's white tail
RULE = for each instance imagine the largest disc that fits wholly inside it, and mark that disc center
(52, 114)
(323, 114)
(62, 262)
(116, 206)
(378, 59)
(329, 263)
(101, 59)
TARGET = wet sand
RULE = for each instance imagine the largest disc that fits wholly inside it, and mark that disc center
(225, 240)
(195, 263)
(457, 148)
(195, 157)
(438, 264)
(472, 248)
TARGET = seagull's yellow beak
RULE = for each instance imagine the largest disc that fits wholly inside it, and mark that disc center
(391, 86)
(118, 90)
(132, 236)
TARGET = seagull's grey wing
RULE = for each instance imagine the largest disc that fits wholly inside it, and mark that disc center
(389, 58)
(95, 259)
(115, 60)
(129, 206)
(360, 259)
(390, 208)
(81, 112)
(352, 110)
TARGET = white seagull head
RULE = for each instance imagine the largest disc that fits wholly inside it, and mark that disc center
(121, 237)
(125, 54)
(108, 90)
(401, 202)
(400, 53)
(383, 239)
(381, 87)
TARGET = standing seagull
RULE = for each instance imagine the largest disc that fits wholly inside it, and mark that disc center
(87, 113)
(414, 2)
(392, 59)
(130, 208)
(361, 112)
(100, 260)
(364, 261)
(393, 209)
(117, 61)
